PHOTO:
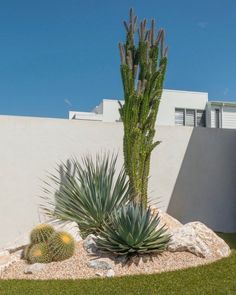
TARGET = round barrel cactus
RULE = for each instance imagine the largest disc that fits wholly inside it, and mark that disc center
(61, 245)
(41, 233)
(39, 253)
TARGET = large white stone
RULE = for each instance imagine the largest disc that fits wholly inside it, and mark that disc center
(166, 219)
(197, 238)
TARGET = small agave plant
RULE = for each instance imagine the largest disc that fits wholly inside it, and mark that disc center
(131, 230)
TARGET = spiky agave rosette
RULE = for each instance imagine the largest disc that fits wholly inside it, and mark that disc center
(131, 230)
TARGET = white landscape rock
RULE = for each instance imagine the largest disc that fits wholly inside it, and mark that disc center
(197, 238)
(89, 244)
(170, 222)
(100, 264)
(34, 268)
(166, 219)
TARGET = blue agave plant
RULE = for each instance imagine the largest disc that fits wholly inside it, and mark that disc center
(133, 229)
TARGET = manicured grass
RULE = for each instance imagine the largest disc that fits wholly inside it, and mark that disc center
(217, 278)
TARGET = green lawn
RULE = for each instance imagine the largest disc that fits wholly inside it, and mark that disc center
(217, 278)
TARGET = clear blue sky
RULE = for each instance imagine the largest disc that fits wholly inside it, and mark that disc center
(61, 55)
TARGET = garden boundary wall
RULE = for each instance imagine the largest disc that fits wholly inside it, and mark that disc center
(193, 170)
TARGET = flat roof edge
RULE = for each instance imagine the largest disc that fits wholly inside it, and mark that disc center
(185, 91)
(232, 103)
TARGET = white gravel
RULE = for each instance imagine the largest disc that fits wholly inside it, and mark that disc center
(76, 267)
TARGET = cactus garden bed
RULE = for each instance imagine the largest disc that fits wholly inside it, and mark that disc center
(192, 244)
(77, 267)
(215, 278)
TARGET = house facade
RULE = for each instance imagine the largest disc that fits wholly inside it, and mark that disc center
(221, 114)
(177, 108)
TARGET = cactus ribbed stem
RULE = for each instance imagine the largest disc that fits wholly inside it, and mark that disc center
(143, 68)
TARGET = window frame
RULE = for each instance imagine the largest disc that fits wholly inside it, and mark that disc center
(195, 112)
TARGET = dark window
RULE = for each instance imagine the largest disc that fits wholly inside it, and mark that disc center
(217, 118)
(201, 118)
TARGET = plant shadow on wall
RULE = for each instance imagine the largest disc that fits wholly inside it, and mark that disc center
(205, 187)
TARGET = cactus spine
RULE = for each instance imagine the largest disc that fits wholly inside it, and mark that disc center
(41, 233)
(61, 245)
(143, 70)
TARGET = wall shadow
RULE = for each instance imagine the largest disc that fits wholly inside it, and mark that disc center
(205, 188)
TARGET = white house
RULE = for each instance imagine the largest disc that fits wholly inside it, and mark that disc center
(184, 108)
(221, 114)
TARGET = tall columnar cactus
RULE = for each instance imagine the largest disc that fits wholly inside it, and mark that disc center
(143, 68)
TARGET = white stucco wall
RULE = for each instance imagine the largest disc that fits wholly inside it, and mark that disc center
(111, 110)
(31, 147)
